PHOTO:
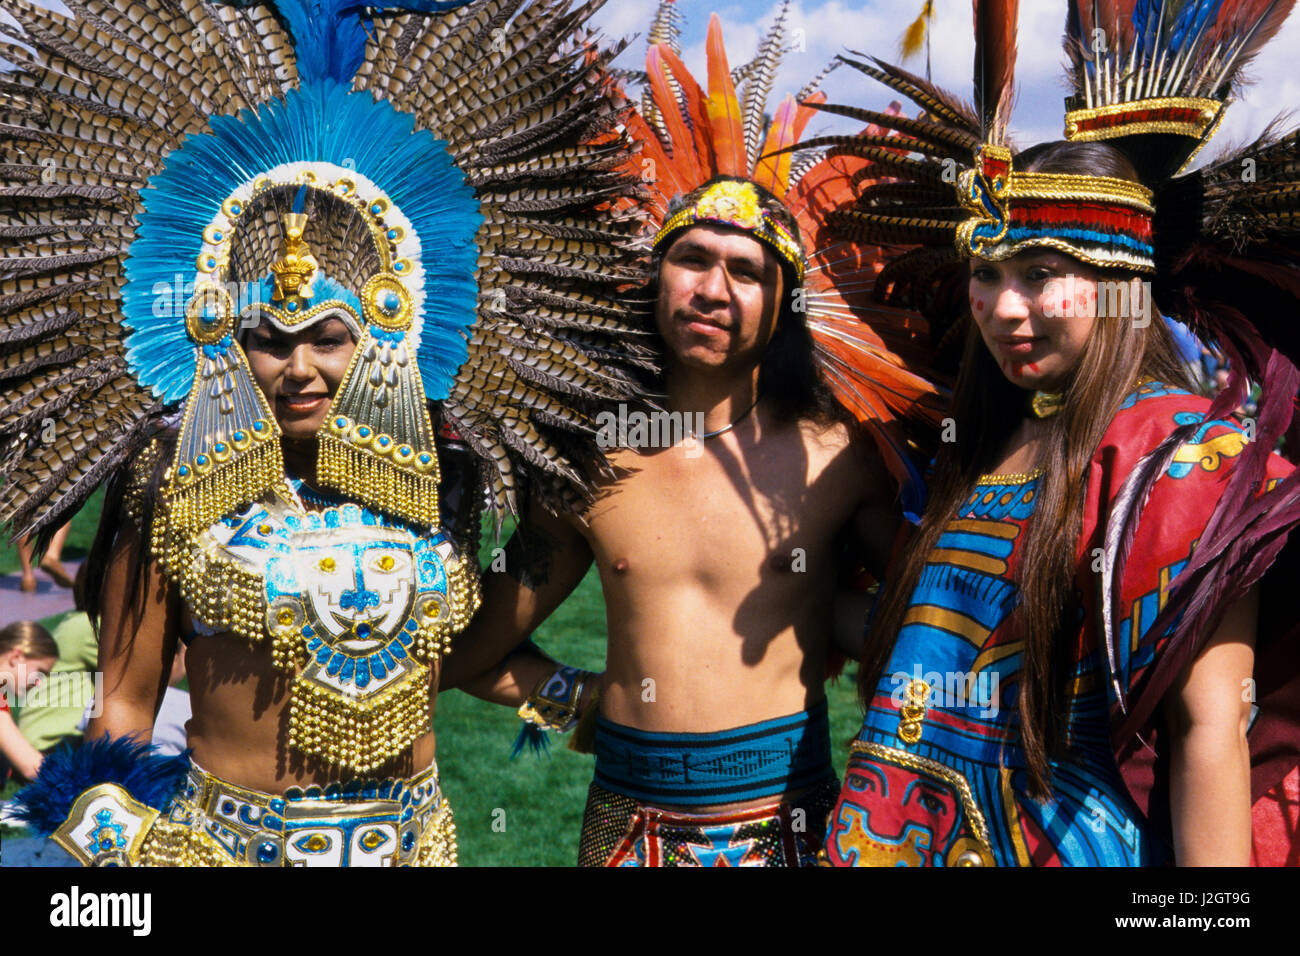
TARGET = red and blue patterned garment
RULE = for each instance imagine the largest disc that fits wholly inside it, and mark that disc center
(937, 775)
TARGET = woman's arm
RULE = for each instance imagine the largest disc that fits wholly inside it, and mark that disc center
(136, 644)
(1207, 713)
(25, 758)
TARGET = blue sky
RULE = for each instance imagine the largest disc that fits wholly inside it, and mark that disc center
(828, 27)
(876, 26)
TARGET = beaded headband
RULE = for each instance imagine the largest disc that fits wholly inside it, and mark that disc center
(1100, 220)
(736, 204)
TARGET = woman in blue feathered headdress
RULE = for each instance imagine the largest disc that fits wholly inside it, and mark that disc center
(324, 294)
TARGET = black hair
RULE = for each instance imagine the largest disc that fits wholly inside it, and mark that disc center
(789, 377)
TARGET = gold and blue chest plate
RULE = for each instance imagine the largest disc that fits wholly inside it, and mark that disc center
(357, 605)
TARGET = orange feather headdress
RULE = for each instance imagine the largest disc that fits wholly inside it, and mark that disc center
(871, 356)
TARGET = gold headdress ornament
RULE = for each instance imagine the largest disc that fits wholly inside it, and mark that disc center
(736, 205)
(294, 270)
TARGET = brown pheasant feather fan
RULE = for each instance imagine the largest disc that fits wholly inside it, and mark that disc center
(97, 101)
(89, 113)
(536, 128)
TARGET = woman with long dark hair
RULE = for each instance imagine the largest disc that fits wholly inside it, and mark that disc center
(1075, 660)
(987, 738)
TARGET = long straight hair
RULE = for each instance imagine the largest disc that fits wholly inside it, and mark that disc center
(1116, 356)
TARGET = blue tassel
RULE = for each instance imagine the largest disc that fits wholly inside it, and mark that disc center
(533, 737)
(66, 773)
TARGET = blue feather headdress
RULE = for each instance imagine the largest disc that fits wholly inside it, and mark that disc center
(381, 222)
(502, 189)
(318, 130)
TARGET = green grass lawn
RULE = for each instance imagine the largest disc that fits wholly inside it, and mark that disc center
(80, 536)
(527, 811)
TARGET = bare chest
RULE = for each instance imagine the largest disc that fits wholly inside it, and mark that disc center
(719, 514)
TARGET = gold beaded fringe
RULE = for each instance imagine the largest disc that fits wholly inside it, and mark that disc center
(244, 478)
(377, 481)
(217, 590)
(433, 640)
(360, 736)
(177, 844)
(438, 842)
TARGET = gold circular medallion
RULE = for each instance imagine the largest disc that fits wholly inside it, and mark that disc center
(210, 314)
(968, 851)
(386, 303)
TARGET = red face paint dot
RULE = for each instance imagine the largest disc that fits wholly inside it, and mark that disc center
(979, 304)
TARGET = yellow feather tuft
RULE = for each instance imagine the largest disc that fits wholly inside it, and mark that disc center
(914, 36)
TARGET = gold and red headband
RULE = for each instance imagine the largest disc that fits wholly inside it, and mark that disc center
(736, 204)
(1100, 220)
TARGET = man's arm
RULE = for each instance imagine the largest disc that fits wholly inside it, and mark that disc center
(878, 518)
(544, 560)
(849, 621)
(873, 529)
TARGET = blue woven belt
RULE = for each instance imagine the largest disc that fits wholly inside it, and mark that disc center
(690, 770)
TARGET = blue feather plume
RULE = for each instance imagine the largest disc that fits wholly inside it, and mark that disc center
(531, 737)
(322, 123)
(66, 773)
(1146, 14)
(1191, 22)
(329, 36)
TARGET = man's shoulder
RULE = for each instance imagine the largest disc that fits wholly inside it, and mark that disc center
(850, 450)
(830, 438)
(830, 432)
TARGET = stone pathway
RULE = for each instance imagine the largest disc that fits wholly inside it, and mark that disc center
(49, 599)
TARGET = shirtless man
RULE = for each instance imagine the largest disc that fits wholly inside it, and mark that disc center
(718, 562)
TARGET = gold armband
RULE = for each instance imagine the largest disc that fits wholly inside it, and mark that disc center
(553, 704)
